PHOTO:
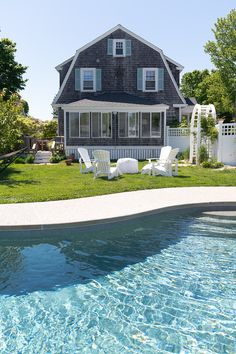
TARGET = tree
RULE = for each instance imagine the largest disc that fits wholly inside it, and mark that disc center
(10, 110)
(208, 87)
(223, 53)
(11, 72)
(50, 128)
(190, 84)
(216, 93)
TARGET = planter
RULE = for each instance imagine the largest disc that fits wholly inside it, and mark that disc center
(68, 162)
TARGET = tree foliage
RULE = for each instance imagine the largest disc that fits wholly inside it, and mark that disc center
(14, 125)
(223, 52)
(208, 87)
(10, 110)
(190, 84)
(49, 128)
(11, 72)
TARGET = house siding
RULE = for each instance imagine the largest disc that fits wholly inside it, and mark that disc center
(120, 74)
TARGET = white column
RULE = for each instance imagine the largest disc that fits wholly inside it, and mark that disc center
(65, 130)
(165, 129)
(219, 142)
(180, 114)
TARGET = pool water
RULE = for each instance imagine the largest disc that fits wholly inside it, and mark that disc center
(156, 284)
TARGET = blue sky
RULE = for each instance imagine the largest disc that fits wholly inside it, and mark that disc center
(48, 32)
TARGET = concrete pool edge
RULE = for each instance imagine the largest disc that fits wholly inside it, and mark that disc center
(112, 207)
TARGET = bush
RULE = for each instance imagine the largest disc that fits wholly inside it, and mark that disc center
(184, 155)
(57, 158)
(212, 164)
(20, 160)
(29, 159)
(202, 154)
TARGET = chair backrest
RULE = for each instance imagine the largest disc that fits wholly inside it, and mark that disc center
(165, 151)
(85, 156)
(173, 154)
(102, 161)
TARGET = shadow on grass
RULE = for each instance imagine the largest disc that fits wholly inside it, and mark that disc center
(7, 178)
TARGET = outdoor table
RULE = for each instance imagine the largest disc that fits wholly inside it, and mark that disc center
(127, 165)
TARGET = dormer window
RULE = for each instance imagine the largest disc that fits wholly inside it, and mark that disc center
(119, 48)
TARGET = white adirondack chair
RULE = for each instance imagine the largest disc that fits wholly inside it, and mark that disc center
(102, 165)
(84, 158)
(165, 151)
(164, 167)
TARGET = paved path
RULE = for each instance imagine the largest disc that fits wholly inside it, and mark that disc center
(108, 207)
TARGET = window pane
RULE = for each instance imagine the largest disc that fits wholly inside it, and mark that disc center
(150, 80)
(84, 125)
(119, 48)
(156, 124)
(88, 79)
(146, 125)
(96, 125)
(74, 124)
(133, 124)
(123, 125)
(106, 125)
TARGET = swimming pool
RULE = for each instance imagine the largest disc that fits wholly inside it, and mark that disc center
(156, 284)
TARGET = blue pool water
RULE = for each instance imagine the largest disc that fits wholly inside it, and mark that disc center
(157, 284)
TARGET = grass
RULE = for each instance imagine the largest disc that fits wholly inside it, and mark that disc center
(31, 183)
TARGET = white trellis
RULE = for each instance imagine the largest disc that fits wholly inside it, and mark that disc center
(199, 111)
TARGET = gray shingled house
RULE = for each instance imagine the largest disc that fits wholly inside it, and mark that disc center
(118, 93)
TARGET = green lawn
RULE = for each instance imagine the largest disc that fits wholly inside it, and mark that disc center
(30, 183)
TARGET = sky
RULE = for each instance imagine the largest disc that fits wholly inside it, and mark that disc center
(47, 32)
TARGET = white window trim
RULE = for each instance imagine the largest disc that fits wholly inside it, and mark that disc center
(75, 137)
(144, 79)
(150, 115)
(82, 79)
(114, 48)
(100, 137)
(130, 137)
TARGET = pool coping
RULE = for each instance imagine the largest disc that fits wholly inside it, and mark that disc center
(111, 207)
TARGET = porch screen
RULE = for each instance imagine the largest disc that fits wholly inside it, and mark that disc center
(151, 125)
(79, 125)
(101, 125)
(128, 125)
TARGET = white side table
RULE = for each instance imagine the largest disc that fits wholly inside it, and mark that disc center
(128, 165)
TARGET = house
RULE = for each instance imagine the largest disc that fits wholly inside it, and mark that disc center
(118, 92)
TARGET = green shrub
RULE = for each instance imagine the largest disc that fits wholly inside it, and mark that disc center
(29, 159)
(202, 154)
(212, 164)
(20, 160)
(57, 158)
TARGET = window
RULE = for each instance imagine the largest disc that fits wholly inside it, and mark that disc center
(88, 79)
(101, 125)
(150, 79)
(119, 48)
(128, 125)
(151, 125)
(79, 125)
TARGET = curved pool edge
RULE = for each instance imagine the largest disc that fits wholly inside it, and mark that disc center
(112, 207)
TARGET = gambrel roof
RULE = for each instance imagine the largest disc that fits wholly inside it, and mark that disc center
(78, 51)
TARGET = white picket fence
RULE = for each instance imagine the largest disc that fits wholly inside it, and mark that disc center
(224, 150)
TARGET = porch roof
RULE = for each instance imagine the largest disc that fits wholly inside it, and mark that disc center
(116, 102)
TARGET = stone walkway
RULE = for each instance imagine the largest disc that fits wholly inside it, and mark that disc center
(105, 208)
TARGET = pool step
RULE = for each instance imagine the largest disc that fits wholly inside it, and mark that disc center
(42, 157)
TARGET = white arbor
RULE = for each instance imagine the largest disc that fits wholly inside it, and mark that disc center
(199, 111)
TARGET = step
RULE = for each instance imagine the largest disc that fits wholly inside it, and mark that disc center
(42, 157)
